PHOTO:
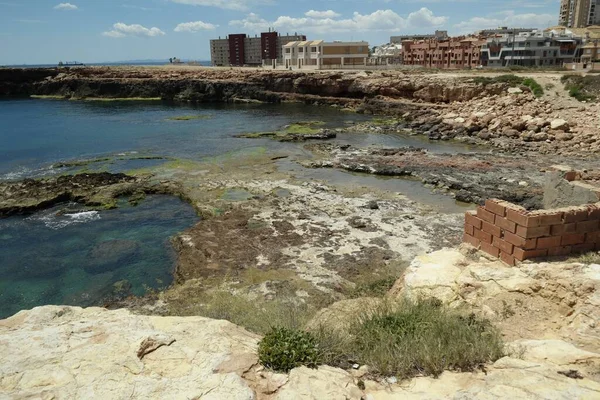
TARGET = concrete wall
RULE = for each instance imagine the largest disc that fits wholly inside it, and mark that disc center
(511, 233)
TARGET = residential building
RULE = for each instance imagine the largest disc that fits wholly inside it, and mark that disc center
(579, 13)
(319, 54)
(241, 49)
(439, 35)
(590, 52)
(532, 49)
(451, 53)
(503, 30)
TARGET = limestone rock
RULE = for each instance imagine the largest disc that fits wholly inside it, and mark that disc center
(317, 384)
(514, 90)
(531, 301)
(559, 125)
(73, 353)
(341, 314)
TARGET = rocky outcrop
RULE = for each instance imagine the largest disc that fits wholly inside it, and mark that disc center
(551, 300)
(58, 352)
(73, 353)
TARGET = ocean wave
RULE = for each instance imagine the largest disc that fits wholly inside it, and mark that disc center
(54, 221)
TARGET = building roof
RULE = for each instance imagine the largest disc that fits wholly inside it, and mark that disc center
(291, 44)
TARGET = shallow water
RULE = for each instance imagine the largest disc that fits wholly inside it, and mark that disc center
(66, 255)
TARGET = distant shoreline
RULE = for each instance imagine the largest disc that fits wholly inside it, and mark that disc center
(106, 64)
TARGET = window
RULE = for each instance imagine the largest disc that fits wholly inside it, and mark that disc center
(360, 49)
(313, 49)
(301, 50)
(287, 51)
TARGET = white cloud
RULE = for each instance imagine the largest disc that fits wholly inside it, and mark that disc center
(380, 20)
(121, 30)
(506, 18)
(65, 6)
(196, 26)
(240, 5)
(322, 14)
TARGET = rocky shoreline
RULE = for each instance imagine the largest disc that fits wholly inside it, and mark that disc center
(270, 237)
(473, 108)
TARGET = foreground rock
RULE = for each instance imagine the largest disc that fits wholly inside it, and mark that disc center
(550, 300)
(73, 353)
(67, 352)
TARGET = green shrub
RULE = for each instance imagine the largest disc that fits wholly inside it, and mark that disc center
(535, 87)
(284, 349)
(414, 338)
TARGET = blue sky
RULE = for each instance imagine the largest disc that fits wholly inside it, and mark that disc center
(47, 31)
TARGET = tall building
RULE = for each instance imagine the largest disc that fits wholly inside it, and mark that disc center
(579, 13)
(241, 49)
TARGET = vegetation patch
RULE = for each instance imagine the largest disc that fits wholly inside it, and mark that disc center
(295, 131)
(582, 88)
(413, 338)
(283, 349)
(513, 81)
(189, 117)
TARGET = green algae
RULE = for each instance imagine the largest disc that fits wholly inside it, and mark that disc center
(304, 128)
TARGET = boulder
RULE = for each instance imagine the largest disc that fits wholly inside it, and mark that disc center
(322, 383)
(514, 90)
(74, 353)
(559, 125)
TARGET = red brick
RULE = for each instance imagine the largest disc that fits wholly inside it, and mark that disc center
(491, 229)
(471, 219)
(503, 245)
(594, 212)
(571, 176)
(551, 219)
(521, 254)
(471, 240)
(533, 232)
(469, 229)
(592, 237)
(587, 226)
(520, 218)
(505, 224)
(559, 251)
(583, 248)
(558, 230)
(490, 249)
(575, 238)
(507, 258)
(549, 242)
(493, 207)
(527, 244)
(483, 236)
(485, 215)
(576, 215)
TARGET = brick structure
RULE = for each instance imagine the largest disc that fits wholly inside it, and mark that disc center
(511, 233)
(450, 53)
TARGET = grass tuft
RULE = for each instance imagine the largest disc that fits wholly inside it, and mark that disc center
(414, 338)
(512, 80)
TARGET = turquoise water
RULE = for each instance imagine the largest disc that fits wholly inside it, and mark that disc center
(66, 255)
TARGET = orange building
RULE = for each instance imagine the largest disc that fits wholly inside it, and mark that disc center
(453, 53)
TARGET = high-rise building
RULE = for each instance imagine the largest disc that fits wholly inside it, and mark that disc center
(240, 49)
(579, 13)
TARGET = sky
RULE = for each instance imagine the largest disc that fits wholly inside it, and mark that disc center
(89, 31)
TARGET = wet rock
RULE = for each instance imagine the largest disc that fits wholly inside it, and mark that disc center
(111, 255)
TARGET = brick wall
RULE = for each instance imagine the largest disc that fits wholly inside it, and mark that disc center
(511, 233)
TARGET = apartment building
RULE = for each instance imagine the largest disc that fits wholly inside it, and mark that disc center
(503, 30)
(241, 49)
(452, 53)
(319, 54)
(579, 13)
(533, 49)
